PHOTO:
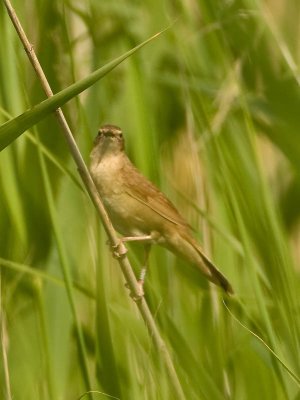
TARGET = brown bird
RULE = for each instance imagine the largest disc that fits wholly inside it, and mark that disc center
(139, 211)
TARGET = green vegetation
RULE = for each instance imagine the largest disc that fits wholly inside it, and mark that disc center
(210, 113)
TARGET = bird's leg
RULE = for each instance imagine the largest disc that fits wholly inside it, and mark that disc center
(119, 249)
(144, 238)
(143, 272)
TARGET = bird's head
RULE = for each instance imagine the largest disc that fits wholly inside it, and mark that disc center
(109, 140)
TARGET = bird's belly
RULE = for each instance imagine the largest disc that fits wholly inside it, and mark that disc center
(125, 215)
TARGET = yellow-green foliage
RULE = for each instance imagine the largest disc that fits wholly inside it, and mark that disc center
(210, 113)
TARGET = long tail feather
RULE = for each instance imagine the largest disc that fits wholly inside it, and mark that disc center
(185, 246)
(217, 276)
(223, 282)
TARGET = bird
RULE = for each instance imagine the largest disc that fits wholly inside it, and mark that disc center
(140, 211)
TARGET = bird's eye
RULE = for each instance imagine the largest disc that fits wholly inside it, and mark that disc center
(120, 135)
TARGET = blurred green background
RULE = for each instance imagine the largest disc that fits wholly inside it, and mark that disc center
(210, 113)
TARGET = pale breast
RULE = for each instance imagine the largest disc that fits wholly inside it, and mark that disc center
(129, 215)
(107, 176)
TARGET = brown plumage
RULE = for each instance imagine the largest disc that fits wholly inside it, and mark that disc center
(137, 208)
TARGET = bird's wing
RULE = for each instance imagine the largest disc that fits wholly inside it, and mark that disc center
(140, 188)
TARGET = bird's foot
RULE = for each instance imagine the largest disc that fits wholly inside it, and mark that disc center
(136, 297)
(141, 280)
(140, 283)
(141, 292)
(118, 250)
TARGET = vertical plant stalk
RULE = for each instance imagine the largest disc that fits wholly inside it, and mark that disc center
(3, 335)
(66, 271)
(4, 345)
(50, 382)
(95, 197)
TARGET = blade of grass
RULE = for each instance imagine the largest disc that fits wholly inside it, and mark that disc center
(66, 270)
(12, 129)
(254, 276)
(47, 356)
(290, 372)
(108, 374)
(3, 339)
(123, 261)
(35, 272)
(50, 156)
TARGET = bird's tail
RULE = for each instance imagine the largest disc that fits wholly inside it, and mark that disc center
(216, 275)
(185, 246)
